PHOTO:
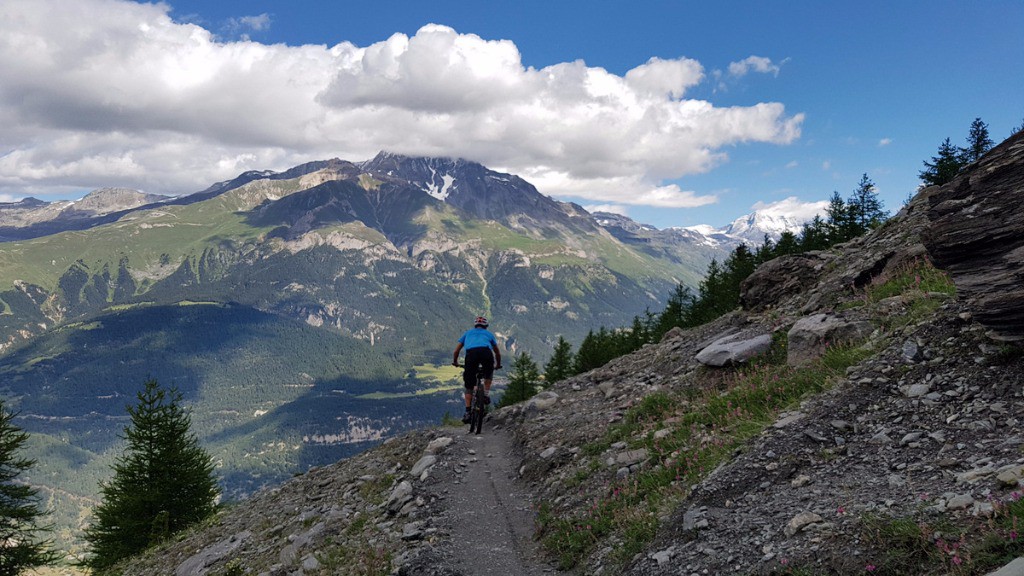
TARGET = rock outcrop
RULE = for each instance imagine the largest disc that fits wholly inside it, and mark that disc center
(781, 277)
(977, 235)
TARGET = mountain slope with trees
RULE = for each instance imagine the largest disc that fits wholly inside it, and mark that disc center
(293, 311)
(879, 432)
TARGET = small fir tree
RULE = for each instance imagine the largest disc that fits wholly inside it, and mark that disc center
(559, 366)
(677, 310)
(522, 382)
(841, 223)
(814, 235)
(978, 141)
(20, 545)
(865, 207)
(163, 482)
(944, 167)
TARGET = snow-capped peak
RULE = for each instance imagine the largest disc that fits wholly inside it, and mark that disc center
(754, 226)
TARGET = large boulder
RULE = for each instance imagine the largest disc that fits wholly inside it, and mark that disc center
(734, 349)
(781, 277)
(811, 336)
(976, 233)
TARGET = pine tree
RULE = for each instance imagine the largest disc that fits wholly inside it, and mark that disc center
(865, 208)
(559, 366)
(20, 546)
(677, 310)
(787, 244)
(163, 482)
(978, 141)
(841, 223)
(595, 351)
(944, 167)
(814, 235)
(522, 382)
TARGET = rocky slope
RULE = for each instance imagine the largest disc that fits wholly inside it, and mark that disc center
(855, 417)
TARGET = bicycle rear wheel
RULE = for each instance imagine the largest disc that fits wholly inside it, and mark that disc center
(479, 409)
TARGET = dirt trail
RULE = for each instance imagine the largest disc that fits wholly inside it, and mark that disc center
(490, 518)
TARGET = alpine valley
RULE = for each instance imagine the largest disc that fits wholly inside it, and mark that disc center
(305, 315)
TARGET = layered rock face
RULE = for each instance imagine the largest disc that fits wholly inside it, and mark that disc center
(976, 233)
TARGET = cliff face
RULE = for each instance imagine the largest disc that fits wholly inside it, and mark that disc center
(977, 233)
(881, 431)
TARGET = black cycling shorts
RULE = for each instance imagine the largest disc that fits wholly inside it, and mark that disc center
(478, 358)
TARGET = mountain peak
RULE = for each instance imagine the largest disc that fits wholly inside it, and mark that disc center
(754, 226)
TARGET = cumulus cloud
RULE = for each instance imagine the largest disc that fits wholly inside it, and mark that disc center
(134, 98)
(243, 25)
(793, 208)
(756, 64)
(884, 142)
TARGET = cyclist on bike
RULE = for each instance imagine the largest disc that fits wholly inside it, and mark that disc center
(478, 342)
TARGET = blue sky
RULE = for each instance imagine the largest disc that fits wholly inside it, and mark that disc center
(747, 104)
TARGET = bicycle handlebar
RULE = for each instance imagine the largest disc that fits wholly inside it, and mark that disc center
(457, 365)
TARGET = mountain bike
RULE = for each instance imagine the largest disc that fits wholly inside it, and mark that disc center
(479, 402)
(478, 407)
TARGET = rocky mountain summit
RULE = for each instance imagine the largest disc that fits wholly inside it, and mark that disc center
(32, 217)
(855, 416)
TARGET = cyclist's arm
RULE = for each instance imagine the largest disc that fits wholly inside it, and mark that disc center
(455, 357)
(497, 356)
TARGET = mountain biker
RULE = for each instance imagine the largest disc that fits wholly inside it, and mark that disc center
(478, 342)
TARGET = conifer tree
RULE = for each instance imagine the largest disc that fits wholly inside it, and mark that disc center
(787, 244)
(522, 382)
(20, 545)
(841, 222)
(978, 141)
(677, 310)
(865, 208)
(595, 351)
(944, 167)
(814, 235)
(163, 482)
(559, 366)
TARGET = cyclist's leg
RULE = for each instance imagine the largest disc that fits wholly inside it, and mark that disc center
(487, 369)
(469, 382)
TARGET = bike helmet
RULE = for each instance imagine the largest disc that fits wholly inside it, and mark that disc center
(480, 321)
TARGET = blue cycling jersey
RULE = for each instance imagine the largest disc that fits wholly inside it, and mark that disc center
(478, 338)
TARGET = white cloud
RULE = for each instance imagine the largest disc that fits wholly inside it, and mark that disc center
(793, 208)
(756, 64)
(885, 142)
(133, 98)
(792, 164)
(240, 27)
(826, 165)
(670, 77)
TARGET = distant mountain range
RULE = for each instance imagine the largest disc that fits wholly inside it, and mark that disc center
(302, 313)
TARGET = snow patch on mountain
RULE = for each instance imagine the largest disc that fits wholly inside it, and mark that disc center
(440, 192)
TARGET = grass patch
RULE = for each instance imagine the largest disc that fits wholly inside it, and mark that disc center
(908, 546)
(705, 426)
(917, 276)
(364, 559)
(375, 490)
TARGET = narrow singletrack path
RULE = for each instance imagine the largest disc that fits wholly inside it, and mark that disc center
(491, 519)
